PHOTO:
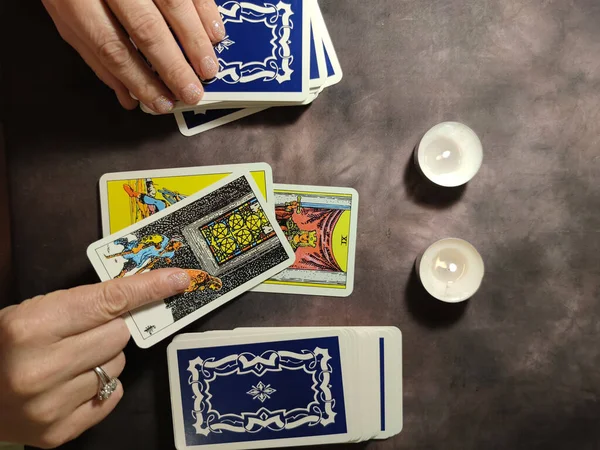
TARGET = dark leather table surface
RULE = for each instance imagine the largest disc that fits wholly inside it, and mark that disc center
(518, 365)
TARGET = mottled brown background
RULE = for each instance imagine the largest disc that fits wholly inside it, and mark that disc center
(519, 365)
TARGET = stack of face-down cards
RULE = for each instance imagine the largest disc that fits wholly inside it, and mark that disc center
(274, 54)
(231, 229)
(281, 387)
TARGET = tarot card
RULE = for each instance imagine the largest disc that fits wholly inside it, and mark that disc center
(224, 236)
(376, 364)
(318, 68)
(265, 55)
(129, 197)
(257, 392)
(191, 123)
(333, 68)
(212, 114)
(320, 224)
(380, 355)
(252, 84)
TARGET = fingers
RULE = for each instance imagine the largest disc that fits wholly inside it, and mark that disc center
(91, 348)
(58, 403)
(186, 23)
(122, 93)
(87, 307)
(95, 31)
(74, 355)
(95, 25)
(84, 387)
(92, 60)
(211, 19)
(85, 416)
(148, 29)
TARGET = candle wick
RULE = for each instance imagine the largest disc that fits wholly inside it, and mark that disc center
(445, 155)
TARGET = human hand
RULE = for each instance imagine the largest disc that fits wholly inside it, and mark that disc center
(49, 346)
(99, 29)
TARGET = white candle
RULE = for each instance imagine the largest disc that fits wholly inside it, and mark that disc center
(451, 270)
(450, 154)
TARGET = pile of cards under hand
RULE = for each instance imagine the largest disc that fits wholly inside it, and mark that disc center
(281, 387)
(274, 54)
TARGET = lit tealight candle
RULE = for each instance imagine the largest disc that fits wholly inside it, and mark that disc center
(451, 270)
(450, 154)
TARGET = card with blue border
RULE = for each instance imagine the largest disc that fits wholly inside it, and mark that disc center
(195, 121)
(281, 387)
(379, 374)
(265, 55)
(249, 391)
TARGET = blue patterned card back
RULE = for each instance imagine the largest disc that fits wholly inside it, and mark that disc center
(194, 119)
(263, 48)
(262, 391)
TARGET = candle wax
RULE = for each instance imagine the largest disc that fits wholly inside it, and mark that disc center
(442, 156)
(450, 154)
(449, 265)
(451, 270)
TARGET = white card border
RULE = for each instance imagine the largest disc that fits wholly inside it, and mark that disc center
(188, 132)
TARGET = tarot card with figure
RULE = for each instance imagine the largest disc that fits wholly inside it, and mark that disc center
(320, 225)
(225, 236)
(129, 197)
(248, 391)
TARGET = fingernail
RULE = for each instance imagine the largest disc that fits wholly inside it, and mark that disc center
(218, 30)
(209, 67)
(163, 105)
(191, 94)
(180, 281)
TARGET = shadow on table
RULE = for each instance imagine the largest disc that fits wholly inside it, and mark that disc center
(274, 117)
(149, 367)
(426, 309)
(162, 397)
(351, 446)
(424, 192)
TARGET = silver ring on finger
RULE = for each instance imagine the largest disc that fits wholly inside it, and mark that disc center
(107, 384)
